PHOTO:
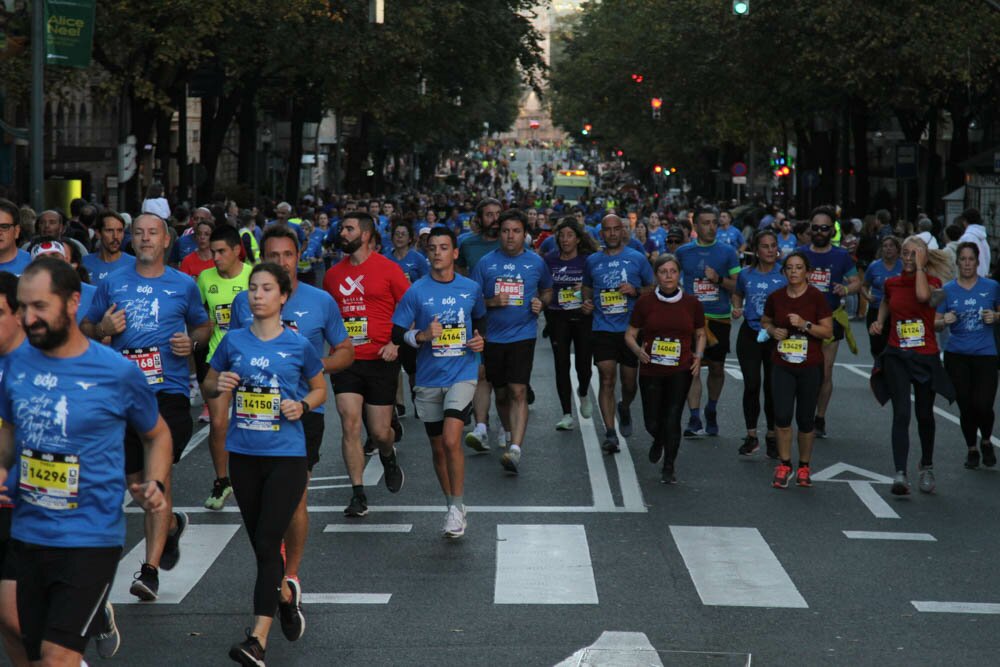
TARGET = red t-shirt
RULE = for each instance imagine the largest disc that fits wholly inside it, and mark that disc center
(367, 295)
(194, 265)
(667, 331)
(911, 324)
(800, 349)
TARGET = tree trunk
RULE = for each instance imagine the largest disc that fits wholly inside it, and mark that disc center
(216, 115)
(859, 132)
(143, 120)
(959, 147)
(247, 161)
(931, 169)
(294, 154)
(163, 151)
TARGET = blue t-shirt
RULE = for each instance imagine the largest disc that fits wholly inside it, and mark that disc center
(184, 246)
(314, 248)
(99, 269)
(18, 264)
(548, 245)
(415, 266)
(87, 292)
(155, 309)
(566, 275)
(659, 237)
(309, 312)
(604, 274)
(731, 236)
(270, 372)
(695, 258)
(787, 246)
(969, 334)
(447, 360)
(521, 277)
(828, 269)
(876, 274)
(755, 286)
(69, 419)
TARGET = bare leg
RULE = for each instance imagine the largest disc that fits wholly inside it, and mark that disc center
(606, 394)
(826, 389)
(349, 406)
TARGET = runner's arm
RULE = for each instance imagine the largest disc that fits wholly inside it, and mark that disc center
(158, 447)
(341, 356)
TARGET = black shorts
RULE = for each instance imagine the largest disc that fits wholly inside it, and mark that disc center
(509, 363)
(7, 560)
(374, 379)
(610, 346)
(408, 357)
(721, 331)
(838, 330)
(60, 594)
(201, 364)
(176, 412)
(313, 423)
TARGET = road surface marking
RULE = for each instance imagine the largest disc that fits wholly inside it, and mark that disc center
(529, 509)
(627, 479)
(873, 501)
(957, 607)
(373, 471)
(346, 598)
(599, 483)
(882, 535)
(829, 474)
(861, 487)
(735, 567)
(368, 528)
(543, 564)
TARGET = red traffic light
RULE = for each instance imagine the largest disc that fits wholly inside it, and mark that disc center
(656, 102)
(619, 152)
(657, 169)
(587, 127)
(637, 78)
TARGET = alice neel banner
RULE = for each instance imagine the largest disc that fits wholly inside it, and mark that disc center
(69, 32)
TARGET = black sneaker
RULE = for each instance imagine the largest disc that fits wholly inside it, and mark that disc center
(393, 473)
(531, 395)
(624, 420)
(109, 639)
(358, 506)
(771, 442)
(172, 549)
(668, 476)
(400, 410)
(989, 456)
(750, 446)
(655, 452)
(820, 427)
(248, 652)
(293, 623)
(146, 585)
(972, 459)
(610, 445)
(370, 447)
(397, 428)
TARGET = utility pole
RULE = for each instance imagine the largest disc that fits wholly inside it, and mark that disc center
(37, 162)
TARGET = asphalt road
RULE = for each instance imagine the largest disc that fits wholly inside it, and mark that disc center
(720, 569)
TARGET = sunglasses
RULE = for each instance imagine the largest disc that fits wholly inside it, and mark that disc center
(6, 227)
(821, 228)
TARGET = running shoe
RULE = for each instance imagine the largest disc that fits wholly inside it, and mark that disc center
(454, 523)
(194, 391)
(610, 445)
(109, 640)
(370, 447)
(668, 476)
(693, 429)
(586, 409)
(819, 428)
(782, 475)
(900, 484)
(172, 549)
(655, 452)
(750, 446)
(802, 477)
(565, 424)
(510, 460)
(393, 473)
(397, 428)
(531, 395)
(400, 410)
(221, 490)
(771, 442)
(711, 422)
(624, 420)
(989, 456)
(293, 623)
(248, 652)
(972, 459)
(146, 585)
(926, 481)
(358, 506)
(204, 417)
(477, 440)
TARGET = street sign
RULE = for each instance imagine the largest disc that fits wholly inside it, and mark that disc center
(739, 180)
(738, 169)
(69, 28)
(127, 159)
(907, 158)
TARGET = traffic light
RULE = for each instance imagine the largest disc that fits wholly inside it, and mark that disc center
(587, 127)
(656, 103)
(657, 169)
(619, 153)
(741, 7)
(637, 78)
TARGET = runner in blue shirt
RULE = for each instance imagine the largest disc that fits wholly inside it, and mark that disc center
(415, 266)
(969, 310)
(264, 366)
(875, 276)
(49, 246)
(729, 235)
(64, 403)
(109, 258)
(12, 259)
(787, 240)
(441, 316)
(517, 286)
(753, 285)
(836, 276)
(710, 269)
(613, 279)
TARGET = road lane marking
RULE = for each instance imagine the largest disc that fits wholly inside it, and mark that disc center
(735, 567)
(330, 486)
(346, 598)
(315, 509)
(634, 649)
(368, 528)
(327, 479)
(543, 564)
(201, 545)
(873, 501)
(956, 607)
(862, 487)
(830, 473)
(599, 484)
(882, 535)
(627, 479)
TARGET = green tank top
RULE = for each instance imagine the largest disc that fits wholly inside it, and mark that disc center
(217, 293)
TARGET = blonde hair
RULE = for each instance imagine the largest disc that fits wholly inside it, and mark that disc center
(939, 263)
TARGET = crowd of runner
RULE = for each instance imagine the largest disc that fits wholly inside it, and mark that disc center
(112, 327)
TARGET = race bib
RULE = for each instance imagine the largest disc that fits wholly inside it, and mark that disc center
(910, 333)
(222, 315)
(513, 287)
(794, 349)
(665, 352)
(820, 279)
(48, 480)
(451, 342)
(613, 302)
(149, 361)
(258, 408)
(305, 266)
(569, 298)
(357, 329)
(705, 290)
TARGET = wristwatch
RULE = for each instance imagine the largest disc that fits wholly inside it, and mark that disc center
(809, 325)
(305, 407)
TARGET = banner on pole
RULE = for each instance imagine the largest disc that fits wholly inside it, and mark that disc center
(69, 32)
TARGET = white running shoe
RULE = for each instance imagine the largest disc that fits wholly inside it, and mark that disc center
(586, 409)
(454, 522)
(565, 424)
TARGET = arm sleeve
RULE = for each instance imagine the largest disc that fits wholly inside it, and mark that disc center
(397, 334)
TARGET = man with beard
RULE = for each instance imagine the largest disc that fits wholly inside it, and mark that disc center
(154, 317)
(831, 267)
(367, 286)
(109, 257)
(65, 403)
(12, 259)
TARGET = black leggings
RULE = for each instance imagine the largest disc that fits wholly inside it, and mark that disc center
(796, 391)
(754, 356)
(877, 342)
(566, 327)
(899, 382)
(663, 400)
(268, 489)
(975, 380)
